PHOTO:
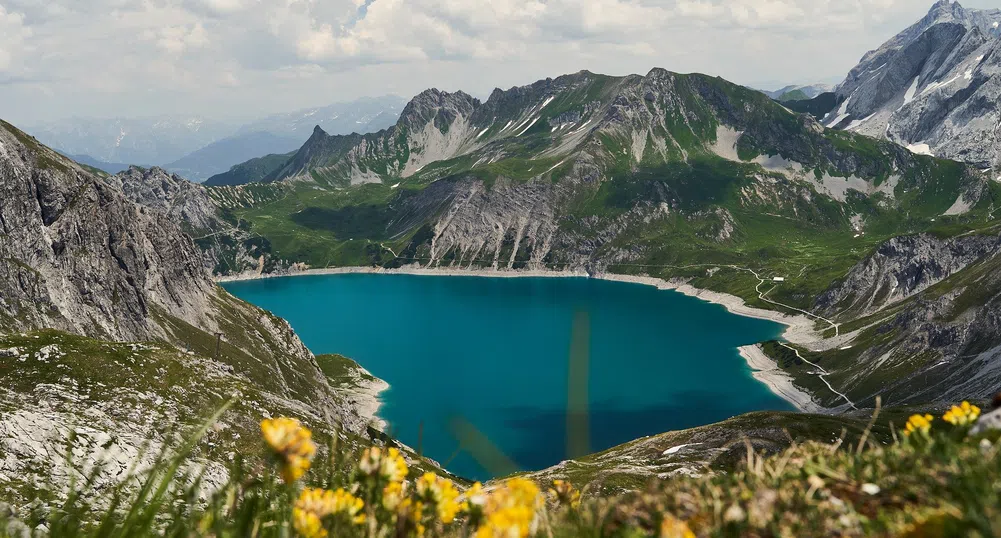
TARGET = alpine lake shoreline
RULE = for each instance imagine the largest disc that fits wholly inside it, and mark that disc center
(800, 329)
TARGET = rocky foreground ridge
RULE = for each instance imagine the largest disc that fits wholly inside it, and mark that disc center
(112, 327)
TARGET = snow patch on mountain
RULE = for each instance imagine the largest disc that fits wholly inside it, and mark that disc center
(937, 82)
(909, 96)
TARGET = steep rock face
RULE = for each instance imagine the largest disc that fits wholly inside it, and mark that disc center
(925, 316)
(941, 345)
(562, 172)
(77, 255)
(510, 226)
(227, 249)
(934, 88)
(184, 201)
(901, 268)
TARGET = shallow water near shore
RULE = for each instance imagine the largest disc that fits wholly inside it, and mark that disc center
(493, 353)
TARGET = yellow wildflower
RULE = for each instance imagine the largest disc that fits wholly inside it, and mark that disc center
(349, 505)
(393, 495)
(672, 527)
(565, 493)
(307, 524)
(441, 493)
(512, 510)
(411, 513)
(292, 443)
(474, 496)
(918, 423)
(475, 500)
(388, 464)
(962, 415)
(316, 504)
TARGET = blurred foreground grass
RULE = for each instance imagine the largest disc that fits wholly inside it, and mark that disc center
(935, 479)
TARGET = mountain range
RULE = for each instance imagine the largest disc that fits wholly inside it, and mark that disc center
(677, 176)
(934, 88)
(198, 147)
(799, 93)
(885, 259)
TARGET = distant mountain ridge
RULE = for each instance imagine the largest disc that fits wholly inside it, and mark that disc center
(935, 87)
(220, 156)
(795, 93)
(365, 115)
(254, 170)
(110, 168)
(659, 118)
(152, 140)
(198, 148)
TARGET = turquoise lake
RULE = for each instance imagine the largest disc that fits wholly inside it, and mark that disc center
(493, 353)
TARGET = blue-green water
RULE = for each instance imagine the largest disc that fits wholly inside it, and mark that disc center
(494, 353)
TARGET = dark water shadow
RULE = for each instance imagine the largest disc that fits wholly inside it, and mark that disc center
(610, 425)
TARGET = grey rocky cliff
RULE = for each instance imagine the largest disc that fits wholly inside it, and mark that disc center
(185, 202)
(227, 248)
(931, 312)
(935, 88)
(902, 267)
(79, 256)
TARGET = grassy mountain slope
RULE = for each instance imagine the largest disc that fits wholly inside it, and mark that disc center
(111, 328)
(610, 173)
(250, 171)
(668, 175)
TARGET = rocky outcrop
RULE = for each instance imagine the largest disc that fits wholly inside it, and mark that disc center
(78, 255)
(933, 88)
(932, 321)
(81, 257)
(227, 248)
(185, 202)
(902, 267)
(509, 226)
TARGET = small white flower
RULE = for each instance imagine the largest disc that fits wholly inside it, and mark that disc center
(870, 489)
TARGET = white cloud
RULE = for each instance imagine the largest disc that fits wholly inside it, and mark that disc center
(178, 39)
(13, 34)
(237, 56)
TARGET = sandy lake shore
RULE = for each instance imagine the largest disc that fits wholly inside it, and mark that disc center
(767, 371)
(799, 328)
(364, 395)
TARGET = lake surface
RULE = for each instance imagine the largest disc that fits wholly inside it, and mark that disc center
(486, 360)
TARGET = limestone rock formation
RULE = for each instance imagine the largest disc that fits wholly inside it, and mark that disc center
(934, 88)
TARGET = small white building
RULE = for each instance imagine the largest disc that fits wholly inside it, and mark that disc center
(779, 279)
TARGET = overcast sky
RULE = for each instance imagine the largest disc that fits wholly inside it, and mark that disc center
(246, 58)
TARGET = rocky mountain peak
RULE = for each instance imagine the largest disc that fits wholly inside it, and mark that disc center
(78, 255)
(436, 106)
(945, 11)
(154, 187)
(932, 88)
